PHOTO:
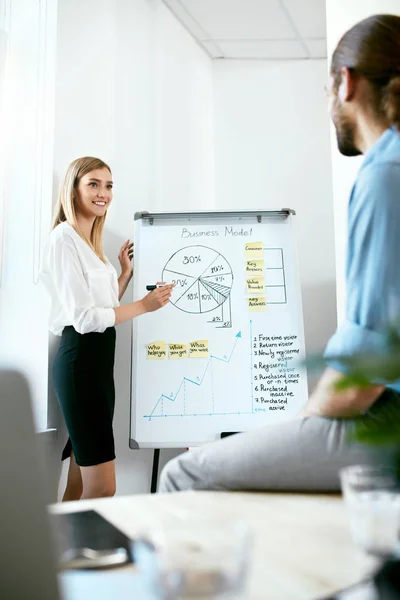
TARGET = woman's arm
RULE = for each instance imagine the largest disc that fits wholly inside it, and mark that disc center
(125, 260)
(151, 302)
(326, 401)
(123, 282)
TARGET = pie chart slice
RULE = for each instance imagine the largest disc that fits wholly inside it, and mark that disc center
(218, 292)
(224, 280)
(220, 266)
(190, 300)
(182, 283)
(207, 300)
(191, 261)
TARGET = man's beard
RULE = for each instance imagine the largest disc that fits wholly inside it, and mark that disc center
(345, 133)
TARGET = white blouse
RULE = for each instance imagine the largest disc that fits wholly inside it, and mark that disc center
(83, 290)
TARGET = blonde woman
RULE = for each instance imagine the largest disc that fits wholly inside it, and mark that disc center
(85, 293)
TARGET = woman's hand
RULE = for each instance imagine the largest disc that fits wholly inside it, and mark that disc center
(153, 301)
(158, 297)
(125, 259)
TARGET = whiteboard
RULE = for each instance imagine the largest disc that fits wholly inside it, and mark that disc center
(225, 354)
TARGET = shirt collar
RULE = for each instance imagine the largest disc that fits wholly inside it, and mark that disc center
(381, 143)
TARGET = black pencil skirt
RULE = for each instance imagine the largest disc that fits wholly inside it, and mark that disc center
(83, 379)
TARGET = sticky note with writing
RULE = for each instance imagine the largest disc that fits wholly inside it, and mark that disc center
(255, 267)
(257, 304)
(254, 250)
(255, 285)
(178, 351)
(199, 349)
(157, 351)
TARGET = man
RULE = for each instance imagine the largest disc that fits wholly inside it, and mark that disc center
(306, 454)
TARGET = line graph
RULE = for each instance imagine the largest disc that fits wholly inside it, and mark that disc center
(187, 382)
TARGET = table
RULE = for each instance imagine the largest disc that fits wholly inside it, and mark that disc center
(302, 547)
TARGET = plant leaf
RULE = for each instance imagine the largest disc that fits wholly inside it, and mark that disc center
(350, 381)
(375, 433)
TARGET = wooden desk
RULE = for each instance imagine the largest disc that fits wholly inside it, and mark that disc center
(302, 547)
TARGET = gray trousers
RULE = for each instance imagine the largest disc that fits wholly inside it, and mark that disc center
(300, 455)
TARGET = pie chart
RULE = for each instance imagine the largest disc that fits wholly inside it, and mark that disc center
(203, 279)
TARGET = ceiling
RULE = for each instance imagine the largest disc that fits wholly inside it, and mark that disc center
(255, 29)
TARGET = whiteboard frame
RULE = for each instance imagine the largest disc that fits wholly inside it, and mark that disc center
(277, 214)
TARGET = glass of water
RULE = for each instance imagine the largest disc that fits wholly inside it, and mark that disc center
(202, 558)
(372, 498)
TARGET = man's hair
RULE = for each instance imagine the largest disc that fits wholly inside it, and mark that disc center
(371, 49)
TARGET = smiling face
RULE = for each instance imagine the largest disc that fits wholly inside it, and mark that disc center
(94, 193)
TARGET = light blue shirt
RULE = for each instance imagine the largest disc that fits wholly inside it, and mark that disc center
(373, 255)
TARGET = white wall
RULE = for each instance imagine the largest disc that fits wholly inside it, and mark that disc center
(135, 90)
(26, 159)
(272, 151)
(341, 16)
(183, 127)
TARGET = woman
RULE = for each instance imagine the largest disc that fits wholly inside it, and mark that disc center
(85, 294)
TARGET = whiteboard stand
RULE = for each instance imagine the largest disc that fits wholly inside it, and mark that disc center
(154, 473)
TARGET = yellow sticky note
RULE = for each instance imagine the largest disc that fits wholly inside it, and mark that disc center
(254, 267)
(254, 250)
(257, 304)
(157, 351)
(255, 285)
(178, 351)
(199, 349)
